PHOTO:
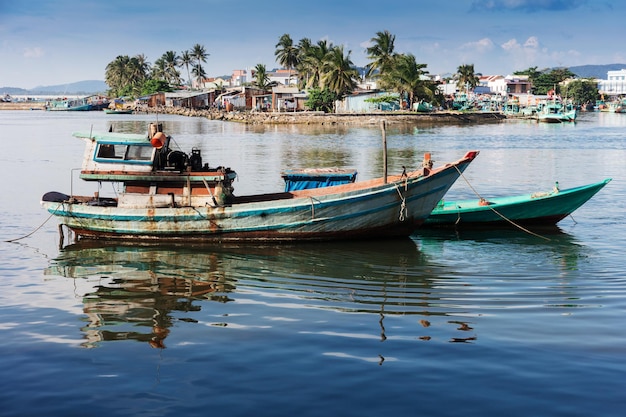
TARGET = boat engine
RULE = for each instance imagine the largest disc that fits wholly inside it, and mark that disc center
(195, 160)
(177, 160)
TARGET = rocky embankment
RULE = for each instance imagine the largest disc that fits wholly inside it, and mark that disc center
(22, 105)
(252, 117)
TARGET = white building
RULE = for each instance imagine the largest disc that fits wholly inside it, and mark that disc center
(615, 84)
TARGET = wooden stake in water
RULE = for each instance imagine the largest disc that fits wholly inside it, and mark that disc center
(384, 131)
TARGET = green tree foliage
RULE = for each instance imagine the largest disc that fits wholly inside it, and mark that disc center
(322, 66)
(407, 77)
(286, 53)
(125, 75)
(339, 73)
(171, 61)
(261, 78)
(312, 63)
(134, 76)
(304, 49)
(155, 86)
(199, 54)
(186, 60)
(466, 77)
(381, 53)
(321, 100)
(531, 72)
(582, 91)
(384, 99)
(544, 81)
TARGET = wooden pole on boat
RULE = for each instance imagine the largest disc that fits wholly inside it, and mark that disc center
(384, 132)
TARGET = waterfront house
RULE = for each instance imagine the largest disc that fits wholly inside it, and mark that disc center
(284, 77)
(151, 100)
(287, 99)
(190, 99)
(358, 102)
(615, 84)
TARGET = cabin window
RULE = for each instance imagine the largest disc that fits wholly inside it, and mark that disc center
(126, 153)
(111, 151)
(139, 153)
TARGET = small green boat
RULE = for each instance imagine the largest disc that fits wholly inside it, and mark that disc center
(538, 209)
(118, 111)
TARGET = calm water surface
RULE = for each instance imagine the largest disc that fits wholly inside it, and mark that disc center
(441, 324)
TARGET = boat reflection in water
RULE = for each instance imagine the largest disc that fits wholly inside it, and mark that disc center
(139, 292)
(547, 247)
(435, 285)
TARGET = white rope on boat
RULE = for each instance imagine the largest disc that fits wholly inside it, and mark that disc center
(496, 211)
(403, 209)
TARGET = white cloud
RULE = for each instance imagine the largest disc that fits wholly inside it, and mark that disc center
(511, 45)
(35, 52)
(481, 46)
(532, 42)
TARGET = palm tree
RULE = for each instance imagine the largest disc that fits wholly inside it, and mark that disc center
(115, 73)
(381, 53)
(467, 79)
(186, 59)
(406, 76)
(304, 48)
(262, 78)
(199, 55)
(171, 62)
(199, 74)
(286, 53)
(313, 61)
(141, 65)
(158, 70)
(339, 72)
(126, 75)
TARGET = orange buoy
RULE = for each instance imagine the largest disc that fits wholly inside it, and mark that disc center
(158, 140)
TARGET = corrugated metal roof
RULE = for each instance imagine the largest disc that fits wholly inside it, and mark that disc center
(185, 94)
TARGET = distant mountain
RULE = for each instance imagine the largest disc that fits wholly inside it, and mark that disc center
(595, 71)
(78, 88)
(13, 91)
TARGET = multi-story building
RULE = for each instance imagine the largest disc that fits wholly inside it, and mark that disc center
(615, 84)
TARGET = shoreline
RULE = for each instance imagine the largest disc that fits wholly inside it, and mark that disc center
(254, 117)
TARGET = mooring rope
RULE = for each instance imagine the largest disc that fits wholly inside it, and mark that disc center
(496, 211)
(313, 201)
(312, 208)
(40, 226)
(403, 209)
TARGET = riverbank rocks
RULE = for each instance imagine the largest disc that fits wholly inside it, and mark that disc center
(307, 117)
(254, 117)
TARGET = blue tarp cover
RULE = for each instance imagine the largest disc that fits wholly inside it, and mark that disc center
(306, 179)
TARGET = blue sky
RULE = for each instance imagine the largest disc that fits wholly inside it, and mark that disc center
(49, 42)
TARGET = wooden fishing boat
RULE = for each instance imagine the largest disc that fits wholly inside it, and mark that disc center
(539, 209)
(556, 112)
(167, 194)
(118, 111)
(76, 104)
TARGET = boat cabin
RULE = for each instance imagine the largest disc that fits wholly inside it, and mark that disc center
(151, 172)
